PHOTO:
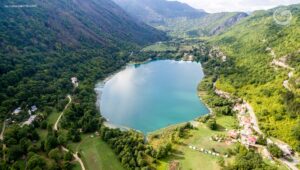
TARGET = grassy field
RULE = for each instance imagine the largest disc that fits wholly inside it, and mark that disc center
(199, 137)
(96, 154)
(51, 119)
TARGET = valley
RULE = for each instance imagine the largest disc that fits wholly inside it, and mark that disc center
(203, 90)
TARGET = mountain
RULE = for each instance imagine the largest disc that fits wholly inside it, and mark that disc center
(44, 43)
(264, 52)
(208, 25)
(179, 19)
(70, 24)
(154, 11)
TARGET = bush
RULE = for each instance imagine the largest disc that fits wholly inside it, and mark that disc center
(296, 132)
(261, 140)
(212, 124)
(68, 156)
(55, 154)
(275, 150)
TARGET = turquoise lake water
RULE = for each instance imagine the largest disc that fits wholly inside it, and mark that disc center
(151, 96)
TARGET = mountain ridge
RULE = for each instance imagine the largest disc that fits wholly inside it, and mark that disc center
(72, 24)
(154, 11)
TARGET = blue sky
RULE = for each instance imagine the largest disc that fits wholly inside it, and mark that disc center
(236, 5)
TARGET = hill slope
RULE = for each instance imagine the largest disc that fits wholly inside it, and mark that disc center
(71, 24)
(155, 11)
(179, 19)
(264, 53)
(208, 25)
(44, 43)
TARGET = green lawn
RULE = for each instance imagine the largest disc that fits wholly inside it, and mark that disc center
(96, 154)
(51, 119)
(200, 137)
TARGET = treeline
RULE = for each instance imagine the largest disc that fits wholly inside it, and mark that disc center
(247, 160)
(130, 148)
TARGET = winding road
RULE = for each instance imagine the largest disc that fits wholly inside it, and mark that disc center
(281, 62)
(55, 127)
(2, 132)
(294, 158)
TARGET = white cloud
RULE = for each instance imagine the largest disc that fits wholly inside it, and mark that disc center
(236, 5)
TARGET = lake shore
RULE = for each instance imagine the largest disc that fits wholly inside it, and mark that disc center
(99, 90)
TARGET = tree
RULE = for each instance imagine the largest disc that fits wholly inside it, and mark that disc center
(66, 165)
(51, 142)
(275, 150)
(248, 160)
(62, 140)
(44, 124)
(212, 124)
(36, 161)
(261, 140)
(55, 154)
(296, 132)
(14, 152)
(68, 156)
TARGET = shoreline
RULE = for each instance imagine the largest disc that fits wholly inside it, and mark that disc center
(99, 86)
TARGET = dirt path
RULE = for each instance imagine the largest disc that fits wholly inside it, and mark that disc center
(281, 62)
(55, 127)
(75, 155)
(2, 132)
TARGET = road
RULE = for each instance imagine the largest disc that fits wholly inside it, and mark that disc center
(290, 164)
(75, 155)
(2, 132)
(55, 127)
(281, 62)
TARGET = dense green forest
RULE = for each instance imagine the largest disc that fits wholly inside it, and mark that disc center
(44, 45)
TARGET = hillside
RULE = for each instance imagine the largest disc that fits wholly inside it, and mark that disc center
(265, 70)
(71, 24)
(208, 25)
(155, 11)
(179, 19)
(39, 38)
(52, 53)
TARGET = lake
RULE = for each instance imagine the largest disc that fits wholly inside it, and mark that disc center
(151, 96)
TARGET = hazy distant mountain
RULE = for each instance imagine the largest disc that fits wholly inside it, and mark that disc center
(179, 19)
(152, 11)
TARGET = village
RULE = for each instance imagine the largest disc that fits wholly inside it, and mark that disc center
(249, 133)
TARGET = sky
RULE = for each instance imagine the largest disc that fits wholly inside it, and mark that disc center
(236, 5)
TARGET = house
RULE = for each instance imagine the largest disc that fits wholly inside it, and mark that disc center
(233, 134)
(17, 111)
(30, 120)
(251, 140)
(74, 81)
(33, 108)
